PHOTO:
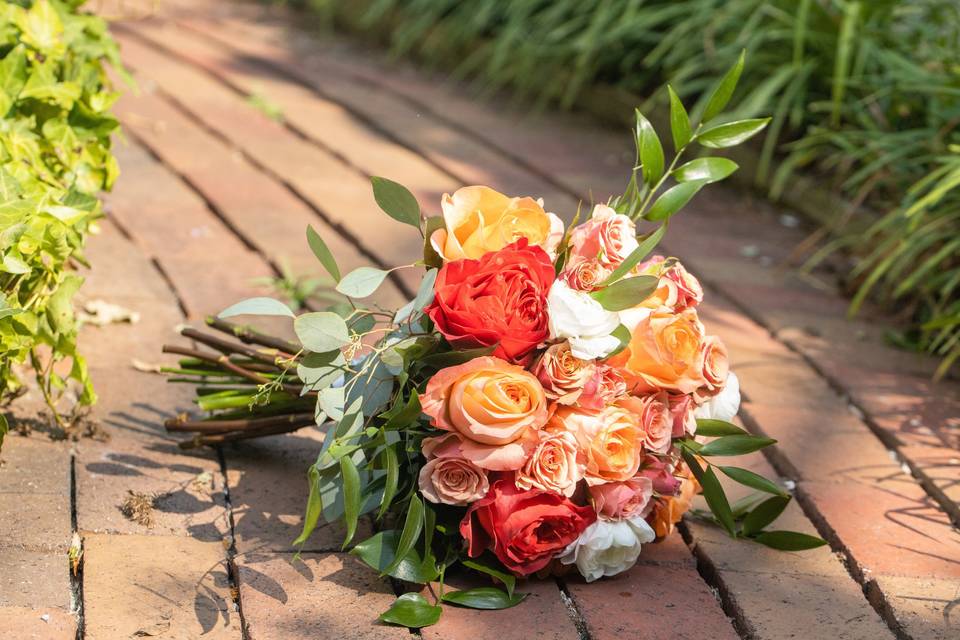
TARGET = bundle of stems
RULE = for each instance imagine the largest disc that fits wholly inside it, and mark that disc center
(246, 384)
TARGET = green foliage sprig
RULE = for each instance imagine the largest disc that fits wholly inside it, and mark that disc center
(55, 127)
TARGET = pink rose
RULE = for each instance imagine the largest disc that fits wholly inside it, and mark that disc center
(603, 388)
(661, 474)
(608, 237)
(716, 366)
(681, 410)
(585, 275)
(656, 422)
(448, 477)
(562, 374)
(623, 500)
(556, 465)
(689, 291)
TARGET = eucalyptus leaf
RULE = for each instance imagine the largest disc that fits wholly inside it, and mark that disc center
(258, 307)
(321, 331)
(396, 201)
(412, 610)
(362, 282)
(331, 400)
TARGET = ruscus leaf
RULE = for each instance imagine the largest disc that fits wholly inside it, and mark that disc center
(708, 170)
(724, 91)
(789, 540)
(679, 121)
(673, 199)
(413, 611)
(351, 497)
(483, 598)
(735, 445)
(731, 134)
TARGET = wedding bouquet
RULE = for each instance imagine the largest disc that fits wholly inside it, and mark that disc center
(549, 399)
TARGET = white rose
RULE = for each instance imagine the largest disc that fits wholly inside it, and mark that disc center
(583, 321)
(724, 405)
(607, 548)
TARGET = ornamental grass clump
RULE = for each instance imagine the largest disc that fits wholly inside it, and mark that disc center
(55, 157)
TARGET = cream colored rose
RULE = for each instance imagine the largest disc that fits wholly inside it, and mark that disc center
(556, 465)
(478, 220)
(455, 481)
(582, 321)
(562, 374)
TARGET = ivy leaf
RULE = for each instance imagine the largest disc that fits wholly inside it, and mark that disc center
(708, 170)
(789, 540)
(322, 252)
(763, 514)
(396, 201)
(735, 445)
(627, 293)
(713, 428)
(724, 91)
(351, 497)
(321, 331)
(646, 245)
(731, 134)
(753, 480)
(483, 598)
(679, 121)
(412, 610)
(412, 527)
(361, 282)
(651, 151)
(673, 199)
(257, 307)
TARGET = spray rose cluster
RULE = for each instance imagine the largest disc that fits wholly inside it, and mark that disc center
(559, 441)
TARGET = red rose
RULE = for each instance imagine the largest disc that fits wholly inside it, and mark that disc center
(525, 529)
(500, 299)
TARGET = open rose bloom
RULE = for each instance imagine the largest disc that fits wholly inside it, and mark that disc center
(549, 400)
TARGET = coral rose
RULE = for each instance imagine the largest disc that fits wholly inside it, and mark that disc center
(603, 388)
(478, 220)
(495, 407)
(656, 421)
(620, 500)
(661, 475)
(608, 237)
(500, 299)
(716, 366)
(585, 275)
(556, 464)
(611, 440)
(448, 477)
(525, 529)
(665, 352)
(562, 374)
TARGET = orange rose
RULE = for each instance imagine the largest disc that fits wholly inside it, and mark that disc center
(556, 465)
(670, 510)
(665, 352)
(495, 407)
(611, 440)
(478, 220)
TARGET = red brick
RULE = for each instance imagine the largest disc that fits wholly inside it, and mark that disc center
(36, 521)
(33, 465)
(319, 596)
(38, 580)
(165, 586)
(923, 606)
(26, 623)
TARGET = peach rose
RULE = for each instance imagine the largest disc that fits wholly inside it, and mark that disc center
(681, 411)
(556, 465)
(448, 477)
(622, 500)
(716, 366)
(608, 237)
(689, 291)
(562, 374)
(611, 440)
(669, 511)
(677, 289)
(585, 275)
(603, 388)
(478, 220)
(656, 422)
(494, 406)
(665, 352)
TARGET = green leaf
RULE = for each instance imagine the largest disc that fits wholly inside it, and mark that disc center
(392, 475)
(314, 507)
(483, 598)
(735, 445)
(789, 540)
(626, 293)
(717, 499)
(673, 199)
(488, 564)
(646, 245)
(451, 358)
(351, 497)
(396, 201)
(679, 121)
(321, 331)
(320, 249)
(41, 26)
(379, 552)
(13, 75)
(724, 91)
(4, 428)
(753, 480)
(257, 307)
(361, 282)
(412, 527)
(430, 256)
(763, 514)
(412, 610)
(407, 415)
(731, 134)
(711, 427)
(651, 151)
(706, 169)
(319, 370)
(622, 334)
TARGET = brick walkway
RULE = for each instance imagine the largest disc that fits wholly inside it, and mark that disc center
(214, 195)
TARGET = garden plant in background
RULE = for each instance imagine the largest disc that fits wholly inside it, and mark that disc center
(548, 399)
(865, 98)
(54, 159)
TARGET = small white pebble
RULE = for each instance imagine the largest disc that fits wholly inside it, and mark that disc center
(914, 422)
(749, 251)
(789, 485)
(789, 221)
(765, 261)
(45, 617)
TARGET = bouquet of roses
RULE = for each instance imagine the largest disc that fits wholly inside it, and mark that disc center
(545, 400)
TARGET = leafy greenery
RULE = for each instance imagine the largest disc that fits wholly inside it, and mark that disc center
(865, 95)
(55, 157)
